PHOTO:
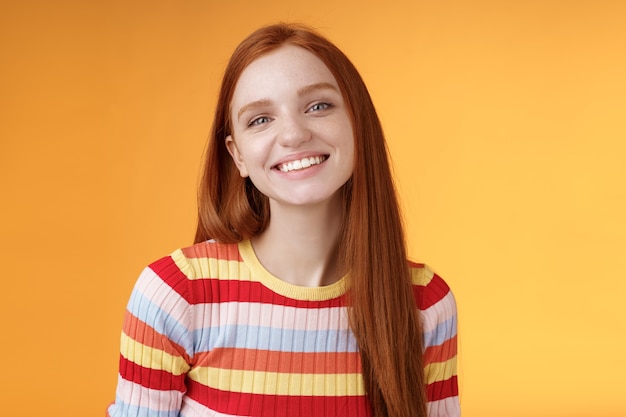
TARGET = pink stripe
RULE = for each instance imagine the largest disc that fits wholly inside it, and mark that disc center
(442, 311)
(153, 287)
(268, 315)
(137, 395)
(448, 407)
(192, 408)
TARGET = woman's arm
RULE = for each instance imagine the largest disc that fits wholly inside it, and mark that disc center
(439, 322)
(156, 345)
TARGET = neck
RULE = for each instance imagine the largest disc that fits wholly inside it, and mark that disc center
(299, 245)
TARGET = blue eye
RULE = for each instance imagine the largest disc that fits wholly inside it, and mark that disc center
(259, 121)
(319, 106)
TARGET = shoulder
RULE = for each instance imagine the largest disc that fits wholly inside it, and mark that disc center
(169, 293)
(212, 249)
(184, 266)
(196, 260)
(437, 306)
(430, 289)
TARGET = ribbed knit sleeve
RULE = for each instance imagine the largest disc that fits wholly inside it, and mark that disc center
(156, 347)
(439, 320)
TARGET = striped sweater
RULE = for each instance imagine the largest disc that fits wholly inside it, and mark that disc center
(209, 332)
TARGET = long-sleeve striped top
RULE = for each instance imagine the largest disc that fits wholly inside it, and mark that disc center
(209, 332)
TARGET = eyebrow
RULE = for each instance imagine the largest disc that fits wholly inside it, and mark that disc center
(301, 92)
(258, 103)
(314, 87)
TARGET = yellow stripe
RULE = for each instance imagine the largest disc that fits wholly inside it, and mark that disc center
(422, 276)
(196, 268)
(440, 371)
(274, 383)
(250, 269)
(152, 358)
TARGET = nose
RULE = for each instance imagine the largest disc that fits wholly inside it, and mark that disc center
(293, 131)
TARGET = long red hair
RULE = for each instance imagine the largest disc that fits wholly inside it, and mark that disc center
(382, 314)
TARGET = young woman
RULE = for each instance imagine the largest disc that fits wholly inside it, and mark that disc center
(297, 298)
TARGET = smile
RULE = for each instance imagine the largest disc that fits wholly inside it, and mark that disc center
(301, 163)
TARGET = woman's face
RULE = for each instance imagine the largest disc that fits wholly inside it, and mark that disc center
(291, 133)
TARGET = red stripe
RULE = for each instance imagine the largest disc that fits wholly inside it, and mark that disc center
(441, 353)
(442, 389)
(146, 335)
(260, 405)
(432, 293)
(151, 378)
(283, 362)
(223, 291)
(215, 290)
(171, 275)
(228, 252)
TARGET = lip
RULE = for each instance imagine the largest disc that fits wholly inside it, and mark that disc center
(298, 156)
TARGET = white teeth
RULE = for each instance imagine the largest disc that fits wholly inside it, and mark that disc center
(302, 163)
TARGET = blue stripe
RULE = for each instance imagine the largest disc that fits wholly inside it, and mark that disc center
(145, 310)
(272, 338)
(444, 331)
(121, 409)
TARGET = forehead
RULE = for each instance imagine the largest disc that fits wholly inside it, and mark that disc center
(285, 69)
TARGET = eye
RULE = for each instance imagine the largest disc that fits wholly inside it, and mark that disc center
(319, 107)
(259, 121)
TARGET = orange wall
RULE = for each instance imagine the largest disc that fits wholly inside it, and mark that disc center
(506, 120)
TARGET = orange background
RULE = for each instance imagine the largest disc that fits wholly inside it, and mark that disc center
(507, 125)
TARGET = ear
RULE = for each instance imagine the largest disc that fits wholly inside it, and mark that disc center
(233, 150)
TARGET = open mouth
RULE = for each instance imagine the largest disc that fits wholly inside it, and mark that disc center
(301, 163)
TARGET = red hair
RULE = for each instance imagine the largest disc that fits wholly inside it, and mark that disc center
(383, 315)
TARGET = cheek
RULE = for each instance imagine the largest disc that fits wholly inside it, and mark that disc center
(255, 155)
(350, 142)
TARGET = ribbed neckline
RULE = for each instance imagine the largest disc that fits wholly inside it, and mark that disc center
(287, 289)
